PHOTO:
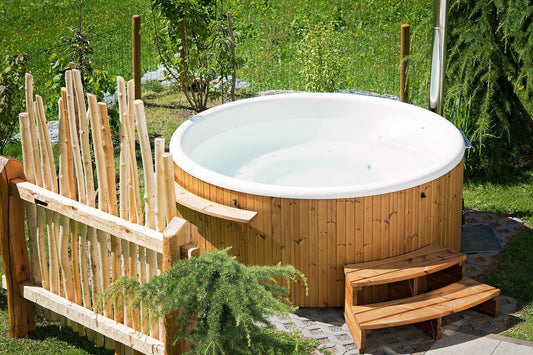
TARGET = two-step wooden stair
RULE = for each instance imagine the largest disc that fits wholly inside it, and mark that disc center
(417, 288)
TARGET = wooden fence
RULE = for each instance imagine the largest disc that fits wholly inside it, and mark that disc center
(82, 231)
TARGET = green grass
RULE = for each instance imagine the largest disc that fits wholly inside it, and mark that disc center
(510, 194)
(48, 338)
(515, 278)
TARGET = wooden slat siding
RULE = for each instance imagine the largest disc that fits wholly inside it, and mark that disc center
(386, 214)
(455, 237)
(296, 249)
(285, 239)
(268, 243)
(451, 299)
(341, 248)
(330, 263)
(303, 247)
(358, 238)
(367, 229)
(314, 271)
(394, 245)
(400, 223)
(276, 229)
(14, 250)
(403, 229)
(254, 245)
(323, 283)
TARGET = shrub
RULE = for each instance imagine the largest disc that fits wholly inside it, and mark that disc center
(11, 96)
(320, 59)
(225, 303)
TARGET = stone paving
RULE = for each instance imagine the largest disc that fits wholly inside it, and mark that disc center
(328, 326)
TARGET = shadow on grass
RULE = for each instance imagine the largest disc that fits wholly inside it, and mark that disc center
(48, 338)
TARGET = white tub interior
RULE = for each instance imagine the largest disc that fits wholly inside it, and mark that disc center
(317, 146)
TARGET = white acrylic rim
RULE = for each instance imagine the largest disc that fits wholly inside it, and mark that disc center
(180, 157)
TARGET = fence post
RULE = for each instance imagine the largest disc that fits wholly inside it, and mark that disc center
(404, 52)
(136, 54)
(14, 250)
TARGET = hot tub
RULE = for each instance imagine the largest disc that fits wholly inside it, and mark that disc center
(334, 178)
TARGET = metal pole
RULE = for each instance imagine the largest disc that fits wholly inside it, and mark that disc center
(438, 59)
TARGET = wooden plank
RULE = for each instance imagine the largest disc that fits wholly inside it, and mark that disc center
(90, 216)
(422, 251)
(91, 320)
(402, 271)
(196, 203)
(358, 227)
(332, 262)
(14, 251)
(454, 298)
(313, 277)
(368, 225)
(323, 272)
(413, 259)
(303, 248)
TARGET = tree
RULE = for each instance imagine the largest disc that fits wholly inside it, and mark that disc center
(225, 303)
(488, 80)
(194, 45)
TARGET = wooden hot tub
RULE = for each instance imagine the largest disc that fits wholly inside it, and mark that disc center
(398, 186)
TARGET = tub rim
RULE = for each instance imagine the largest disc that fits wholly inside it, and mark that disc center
(184, 162)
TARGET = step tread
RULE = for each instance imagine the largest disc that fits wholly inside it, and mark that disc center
(453, 298)
(427, 260)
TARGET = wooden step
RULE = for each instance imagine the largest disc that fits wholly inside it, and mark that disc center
(424, 261)
(428, 308)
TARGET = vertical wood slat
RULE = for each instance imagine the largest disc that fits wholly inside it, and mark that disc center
(150, 193)
(14, 251)
(64, 235)
(31, 209)
(103, 197)
(80, 184)
(40, 212)
(49, 178)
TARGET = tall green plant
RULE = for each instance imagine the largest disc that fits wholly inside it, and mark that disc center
(486, 68)
(223, 305)
(190, 45)
(321, 60)
(11, 95)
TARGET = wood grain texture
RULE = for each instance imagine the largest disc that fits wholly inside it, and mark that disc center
(319, 237)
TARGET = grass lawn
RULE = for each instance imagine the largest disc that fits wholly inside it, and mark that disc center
(511, 194)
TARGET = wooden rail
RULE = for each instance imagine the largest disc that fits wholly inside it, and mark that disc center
(210, 208)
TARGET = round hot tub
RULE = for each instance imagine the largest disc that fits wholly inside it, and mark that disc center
(334, 178)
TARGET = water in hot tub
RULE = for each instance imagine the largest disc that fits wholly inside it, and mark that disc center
(310, 152)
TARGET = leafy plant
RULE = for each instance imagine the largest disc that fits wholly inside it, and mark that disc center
(487, 69)
(320, 59)
(11, 95)
(221, 306)
(194, 43)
